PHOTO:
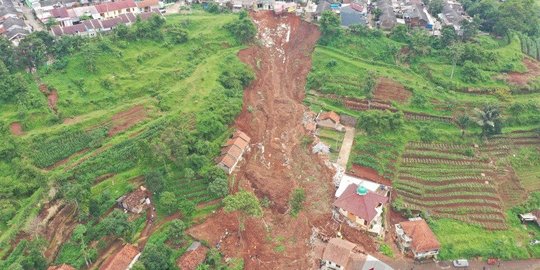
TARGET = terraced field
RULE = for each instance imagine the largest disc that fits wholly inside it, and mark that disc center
(445, 181)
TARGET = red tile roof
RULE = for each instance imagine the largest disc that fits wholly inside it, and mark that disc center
(112, 6)
(338, 251)
(148, 3)
(192, 258)
(362, 206)
(329, 115)
(61, 267)
(422, 237)
(233, 149)
(122, 259)
(60, 12)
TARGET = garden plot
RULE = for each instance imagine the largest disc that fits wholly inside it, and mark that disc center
(448, 182)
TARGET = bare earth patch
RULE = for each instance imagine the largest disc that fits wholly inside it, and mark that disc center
(390, 90)
(522, 79)
(16, 129)
(126, 119)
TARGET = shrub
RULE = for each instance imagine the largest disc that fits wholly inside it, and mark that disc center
(297, 199)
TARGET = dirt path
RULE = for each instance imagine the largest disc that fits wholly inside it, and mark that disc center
(278, 163)
(346, 147)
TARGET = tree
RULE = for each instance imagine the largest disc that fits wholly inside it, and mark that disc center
(378, 122)
(400, 33)
(7, 54)
(176, 230)
(168, 202)
(448, 36)
(12, 87)
(297, 199)
(154, 181)
(518, 15)
(79, 237)
(242, 29)
(377, 12)
(435, 7)
(420, 42)
(469, 29)
(187, 208)
(156, 257)
(489, 119)
(244, 202)
(50, 23)
(117, 224)
(330, 24)
(78, 195)
(219, 187)
(32, 51)
(177, 34)
(454, 53)
(471, 72)
(463, 122)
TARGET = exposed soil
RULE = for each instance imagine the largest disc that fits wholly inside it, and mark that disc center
(126, 119)
(16, 129)
(57, 222)
(277, 163)
(52, 96)
(522, 79)
(391, 90)
(369, 174)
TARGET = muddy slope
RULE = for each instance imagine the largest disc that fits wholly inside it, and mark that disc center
(280, 159)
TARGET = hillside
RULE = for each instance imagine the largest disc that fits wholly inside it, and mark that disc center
(116, 112)
(417, 103)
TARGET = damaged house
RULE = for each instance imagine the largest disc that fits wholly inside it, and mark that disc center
(416, 237)
(135, 201)
(232, 151)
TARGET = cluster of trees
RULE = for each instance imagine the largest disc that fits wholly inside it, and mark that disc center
(377, 122)
(242, 29)
(503, 17)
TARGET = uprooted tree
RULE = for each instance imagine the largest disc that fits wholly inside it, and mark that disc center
(246, 204)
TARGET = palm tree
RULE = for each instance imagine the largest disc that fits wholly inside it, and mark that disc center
(489, 119)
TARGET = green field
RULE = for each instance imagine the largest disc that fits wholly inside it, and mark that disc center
(182, 96)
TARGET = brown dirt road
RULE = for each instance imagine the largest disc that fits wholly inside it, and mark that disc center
(278, 162)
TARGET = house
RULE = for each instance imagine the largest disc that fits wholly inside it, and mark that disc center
(232, 151)
(135, 201)
(61, 267)
(122, 260)
(415, 16)
(361, 208)
(321, 7)
(263, 4)
(416, 237)
(452, 14)
(95, 26)
(340, 254)
(347, 180)
(353, 14)
(387, 20)
(329, 120)
(114, 9)
(533, 216)
(15, 29)
(194, 256)
(147, 5)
